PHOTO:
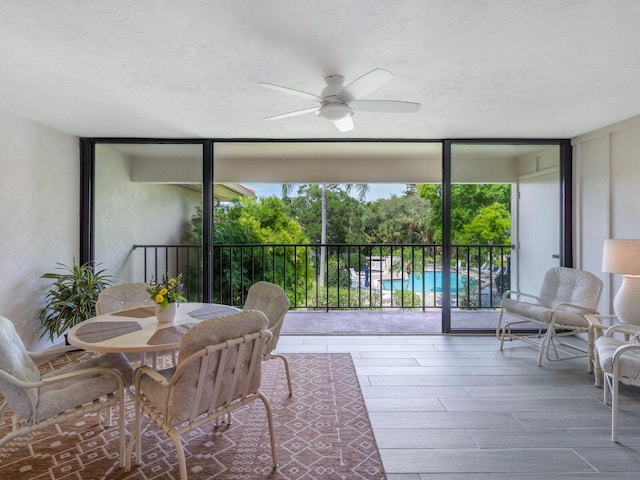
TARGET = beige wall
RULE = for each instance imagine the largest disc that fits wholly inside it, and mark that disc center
(39, 199)
(607, 196)
(130, 212)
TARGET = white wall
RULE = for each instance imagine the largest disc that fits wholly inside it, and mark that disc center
(39, 214)
(607, 196)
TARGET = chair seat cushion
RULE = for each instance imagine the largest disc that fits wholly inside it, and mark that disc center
(541, 314)
(534, 311)
(57, 397)
(629, 362)
(156, 393)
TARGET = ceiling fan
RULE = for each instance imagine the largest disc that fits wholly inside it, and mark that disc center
(338, 103)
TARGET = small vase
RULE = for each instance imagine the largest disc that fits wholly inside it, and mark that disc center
(166, 314)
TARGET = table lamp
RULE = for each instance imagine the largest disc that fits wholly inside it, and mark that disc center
(623, 256)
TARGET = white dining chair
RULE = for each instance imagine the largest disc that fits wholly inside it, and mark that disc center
(218, 371)
(274, 302)
(40, 401)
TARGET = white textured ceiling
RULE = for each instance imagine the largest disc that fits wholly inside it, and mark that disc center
(191, 68)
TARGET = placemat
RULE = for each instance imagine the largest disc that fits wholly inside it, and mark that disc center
(140, 312)
(100, 331)
(171, 334)
(211, 311)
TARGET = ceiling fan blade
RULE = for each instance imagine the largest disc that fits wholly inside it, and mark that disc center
(365, 84)
(386, 106)
(293, 114)
(344, 124)
(291, 91)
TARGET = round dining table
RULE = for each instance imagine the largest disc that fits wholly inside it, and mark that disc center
(137, 330)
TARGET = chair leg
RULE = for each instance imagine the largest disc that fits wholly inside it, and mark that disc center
(614, 405)
(502, 338)
(182, 461)
(286, 369)
(135, 440)
(272, 434)
(544, 347)
(500, 330)
(121, 440)
(546, 343)
(607, 389)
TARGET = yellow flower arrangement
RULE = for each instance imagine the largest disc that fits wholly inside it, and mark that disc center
(168, 291)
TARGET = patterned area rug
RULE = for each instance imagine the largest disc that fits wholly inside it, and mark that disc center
(323, 432)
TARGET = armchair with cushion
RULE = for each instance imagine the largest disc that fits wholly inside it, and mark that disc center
(218, 371)
(620, 362)
(273, 301)
(122, 297)
(566, 296)
(39, 401)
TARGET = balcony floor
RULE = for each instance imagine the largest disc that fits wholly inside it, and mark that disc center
(454, 407)
(383, 322)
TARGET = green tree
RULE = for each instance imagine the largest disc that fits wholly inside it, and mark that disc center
(337, 210)
(466, 201)
(492, 225)
(404, 219)
(249, 221)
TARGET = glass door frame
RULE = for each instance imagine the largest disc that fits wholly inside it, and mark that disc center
(87, 198)
(565, 215)
(87, 201)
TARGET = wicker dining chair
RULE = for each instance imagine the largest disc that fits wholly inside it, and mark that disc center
(274, 302)
(122, 297)
(39, 401)
(620, 363)
(219, 370)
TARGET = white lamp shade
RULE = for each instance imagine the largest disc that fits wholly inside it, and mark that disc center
(621, 256)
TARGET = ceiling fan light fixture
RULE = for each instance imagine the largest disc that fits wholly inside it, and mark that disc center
(335, 111)
(337, 102)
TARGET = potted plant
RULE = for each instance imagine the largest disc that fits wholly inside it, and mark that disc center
(72, 297)
(166, 296)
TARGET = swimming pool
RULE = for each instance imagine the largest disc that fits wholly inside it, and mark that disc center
(431, 282)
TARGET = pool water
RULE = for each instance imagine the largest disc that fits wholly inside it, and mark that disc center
(431, 282)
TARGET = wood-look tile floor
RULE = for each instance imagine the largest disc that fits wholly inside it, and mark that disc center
(456, 407)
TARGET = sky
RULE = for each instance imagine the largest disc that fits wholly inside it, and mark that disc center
(376, 190)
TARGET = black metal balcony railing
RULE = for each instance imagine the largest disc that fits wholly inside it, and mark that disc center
(339, 276)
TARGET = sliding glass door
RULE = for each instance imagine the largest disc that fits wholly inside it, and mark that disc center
(495, 215)
(505, 225)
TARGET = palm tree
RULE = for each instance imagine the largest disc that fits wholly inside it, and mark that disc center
(362, 189)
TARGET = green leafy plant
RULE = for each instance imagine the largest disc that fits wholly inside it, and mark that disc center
(72, 297)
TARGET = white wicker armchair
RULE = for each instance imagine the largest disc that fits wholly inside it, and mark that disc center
(620, 362)
(39, 401)
(218, 371)
(273, 301)
(123, 297)
(566, 296)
